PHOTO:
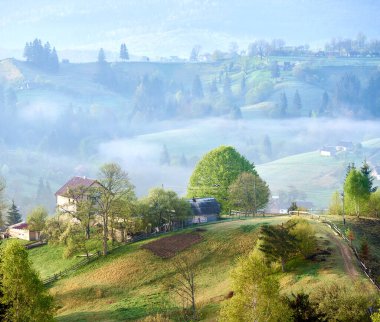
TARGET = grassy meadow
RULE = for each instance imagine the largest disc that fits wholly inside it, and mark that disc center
(132, 283)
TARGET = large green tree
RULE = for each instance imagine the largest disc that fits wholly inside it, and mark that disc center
(216, 171)
(357, 189)
(23, 292)
(248, 193)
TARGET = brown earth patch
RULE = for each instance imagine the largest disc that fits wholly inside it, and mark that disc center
(168, 246)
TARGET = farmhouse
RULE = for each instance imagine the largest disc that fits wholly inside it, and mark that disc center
(328, 151)
(204, 210)
(21, 231)
(64, 198)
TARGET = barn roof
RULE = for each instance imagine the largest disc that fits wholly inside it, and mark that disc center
(73, 183)
(204, 206)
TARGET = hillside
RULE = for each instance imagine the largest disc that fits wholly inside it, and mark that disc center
(68, 123)
(132, 283)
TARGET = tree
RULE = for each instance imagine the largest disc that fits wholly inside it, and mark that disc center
(357, 189)
(197, 89)
(216, 171)
(14, 215)
(37, 219)
(53, 61)
(267, 146)
(297, 101)
(101, 56)
(277, 243)
(342, 301)
(184, 283)
(248, 193)
(304, 234)
(114, 186)
(275, 69)
(195, 53)
(366, 171)
(256, 292)
(163, 208)
(336, 205)
(348, 89)
(23, 292)
(324, 104)
(303, 310)
(124, 55)
(283, 105)
(165, 156)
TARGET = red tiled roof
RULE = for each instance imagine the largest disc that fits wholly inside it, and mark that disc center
(20, 225)
(73, 183)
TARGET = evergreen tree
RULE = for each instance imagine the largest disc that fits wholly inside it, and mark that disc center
(27, 298)
(324, 103)
(101, 56)
(297, 101)
(283, 105)
(366, 171)
(165, 157)
(197, 88)
(124, 55)
(14, 215)
(53, 61)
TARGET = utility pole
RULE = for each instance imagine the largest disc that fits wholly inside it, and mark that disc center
(254, 189)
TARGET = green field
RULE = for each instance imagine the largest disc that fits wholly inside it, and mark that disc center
(132, 283)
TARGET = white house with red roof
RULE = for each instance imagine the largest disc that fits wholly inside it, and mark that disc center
(64, 195)
(21, 231)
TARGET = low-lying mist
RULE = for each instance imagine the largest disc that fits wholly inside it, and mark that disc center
(165, 153)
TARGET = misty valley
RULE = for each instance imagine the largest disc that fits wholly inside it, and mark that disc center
(160, 162)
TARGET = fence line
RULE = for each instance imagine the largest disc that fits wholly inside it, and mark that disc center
(366, 270)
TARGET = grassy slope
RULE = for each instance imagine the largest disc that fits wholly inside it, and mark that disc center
(130, 283)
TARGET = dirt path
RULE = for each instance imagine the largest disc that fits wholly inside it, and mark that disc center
(347, 255)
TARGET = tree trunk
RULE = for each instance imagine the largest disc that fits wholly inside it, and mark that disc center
(283, 264)
(105, 235)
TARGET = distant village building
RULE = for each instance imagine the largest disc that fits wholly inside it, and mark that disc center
(64, 199)
(21, 231)
(328, 151)
(345, 146)
(204, 210)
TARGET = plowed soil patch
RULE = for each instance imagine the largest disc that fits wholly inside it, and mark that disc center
(168, 246)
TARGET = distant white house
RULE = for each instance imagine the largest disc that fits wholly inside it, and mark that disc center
(21, 231)
(328, 151)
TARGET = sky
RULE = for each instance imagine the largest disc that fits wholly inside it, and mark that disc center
(172, 27)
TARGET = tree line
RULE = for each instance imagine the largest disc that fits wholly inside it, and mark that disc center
(41, 56)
